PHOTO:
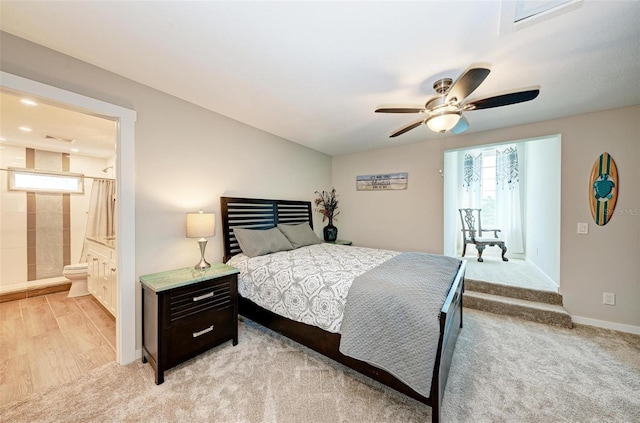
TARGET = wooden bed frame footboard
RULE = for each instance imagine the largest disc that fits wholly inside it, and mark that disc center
(259, 213)
(450, 325)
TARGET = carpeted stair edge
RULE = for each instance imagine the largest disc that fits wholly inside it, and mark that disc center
(534, 295)
(549, 314)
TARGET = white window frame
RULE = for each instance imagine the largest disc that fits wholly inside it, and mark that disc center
(44, 181)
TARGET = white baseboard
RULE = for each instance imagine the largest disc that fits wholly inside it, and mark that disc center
(606, 325)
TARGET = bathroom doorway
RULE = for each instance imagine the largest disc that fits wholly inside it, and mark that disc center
(51, 158)
(53, 161)
(124, 170)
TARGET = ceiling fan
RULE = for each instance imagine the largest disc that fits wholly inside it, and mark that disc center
(444, 110)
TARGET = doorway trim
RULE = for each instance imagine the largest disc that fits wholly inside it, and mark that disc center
(125, 187)
(550, 264)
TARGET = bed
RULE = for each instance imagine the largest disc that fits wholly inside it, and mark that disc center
(242, 214)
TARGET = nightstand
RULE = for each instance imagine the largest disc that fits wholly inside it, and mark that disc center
(340, 242)
(186, 312)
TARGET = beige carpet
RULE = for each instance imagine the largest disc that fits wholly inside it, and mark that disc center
(504, 370)
(515, 272)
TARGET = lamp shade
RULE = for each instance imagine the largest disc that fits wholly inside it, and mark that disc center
(201, 225)
(444, 121)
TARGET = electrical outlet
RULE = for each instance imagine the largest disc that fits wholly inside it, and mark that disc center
(608, 298)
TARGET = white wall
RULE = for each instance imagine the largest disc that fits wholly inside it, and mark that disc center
(13, 222)
(606, 260)
(452, 235)
(542, 205)
(195, 158)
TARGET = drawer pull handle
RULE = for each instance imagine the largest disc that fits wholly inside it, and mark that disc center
(202, 297)
(203, 331)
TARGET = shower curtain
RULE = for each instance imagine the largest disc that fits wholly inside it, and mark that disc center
(101, 215)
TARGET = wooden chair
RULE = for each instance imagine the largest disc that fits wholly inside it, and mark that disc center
(469, 217)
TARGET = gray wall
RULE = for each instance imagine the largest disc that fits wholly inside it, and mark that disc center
(605, 260)
(186, 157)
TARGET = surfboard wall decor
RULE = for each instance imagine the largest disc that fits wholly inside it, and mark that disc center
(603, 189)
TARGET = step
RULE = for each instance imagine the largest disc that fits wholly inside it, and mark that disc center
(548, 297)
(551, 314)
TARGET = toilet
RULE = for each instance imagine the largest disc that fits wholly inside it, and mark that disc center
(77, 274)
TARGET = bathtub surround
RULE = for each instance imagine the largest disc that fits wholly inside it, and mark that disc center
(41, 232)
(48, 231)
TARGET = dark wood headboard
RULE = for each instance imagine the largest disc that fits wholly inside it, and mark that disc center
(257, 213)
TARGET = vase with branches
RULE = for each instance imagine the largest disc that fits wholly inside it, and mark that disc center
(327, 204)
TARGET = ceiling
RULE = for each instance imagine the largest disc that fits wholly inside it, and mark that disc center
(313, 72)
(53, 128)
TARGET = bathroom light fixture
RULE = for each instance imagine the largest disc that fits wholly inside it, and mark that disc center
(28, 102)
(443, 121)
(201, 225)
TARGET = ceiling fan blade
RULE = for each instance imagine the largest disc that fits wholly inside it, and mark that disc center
(400, 109)
(467, 84)
(461, 126)
(407, 128)
(502, 100)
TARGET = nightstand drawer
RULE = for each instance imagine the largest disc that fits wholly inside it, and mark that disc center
(188, 302)
(194, 336)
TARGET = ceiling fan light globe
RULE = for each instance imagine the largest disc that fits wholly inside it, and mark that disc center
(442, 122)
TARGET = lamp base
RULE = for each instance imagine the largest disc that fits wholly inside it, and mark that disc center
(203, 263)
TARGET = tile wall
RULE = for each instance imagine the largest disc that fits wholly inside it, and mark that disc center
(40, 233)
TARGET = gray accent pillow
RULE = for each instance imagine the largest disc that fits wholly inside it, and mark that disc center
(256, 242)
(300, 235)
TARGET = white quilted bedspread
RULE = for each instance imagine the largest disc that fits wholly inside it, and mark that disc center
(308, 284)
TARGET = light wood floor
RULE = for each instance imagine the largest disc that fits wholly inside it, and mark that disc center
(49, 340)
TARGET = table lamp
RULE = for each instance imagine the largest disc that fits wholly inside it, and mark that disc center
(201, 225)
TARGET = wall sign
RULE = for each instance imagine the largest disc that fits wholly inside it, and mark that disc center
(382, 182)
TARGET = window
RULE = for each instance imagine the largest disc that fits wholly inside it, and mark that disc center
(45, 181)
(526, 9)
(484, 173)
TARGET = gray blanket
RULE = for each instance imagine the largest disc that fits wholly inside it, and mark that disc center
(391, 319)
